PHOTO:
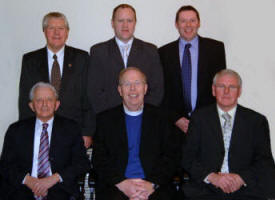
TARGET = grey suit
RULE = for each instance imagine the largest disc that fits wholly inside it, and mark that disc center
(105, 64)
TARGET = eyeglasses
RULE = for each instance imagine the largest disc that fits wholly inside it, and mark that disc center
(230, 87)
(130, 84)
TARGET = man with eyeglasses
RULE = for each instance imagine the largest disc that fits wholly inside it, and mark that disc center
(227, 152)
(135, 150)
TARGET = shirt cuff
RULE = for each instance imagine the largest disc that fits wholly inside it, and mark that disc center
(206, 179)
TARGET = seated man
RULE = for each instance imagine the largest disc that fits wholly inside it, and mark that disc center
(135, 151)
(227, 151)
(43, 156)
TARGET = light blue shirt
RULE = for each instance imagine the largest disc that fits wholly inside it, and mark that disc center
(194, 51)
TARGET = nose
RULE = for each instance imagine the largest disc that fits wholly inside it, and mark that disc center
(132, 86)
(226, 90)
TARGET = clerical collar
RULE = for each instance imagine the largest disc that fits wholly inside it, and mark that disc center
(132, 113)
(121, 43)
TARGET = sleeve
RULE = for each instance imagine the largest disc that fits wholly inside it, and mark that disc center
(155, 80)
(24, 89)
(102, 160)
(88, 114)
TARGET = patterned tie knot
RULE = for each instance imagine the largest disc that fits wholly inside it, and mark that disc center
(55, 57)
(187, 46)
(227, 119)
(45, 126)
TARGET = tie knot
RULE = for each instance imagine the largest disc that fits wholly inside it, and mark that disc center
(45, 126)
(187, 46)
(226, 116)
(54, 57)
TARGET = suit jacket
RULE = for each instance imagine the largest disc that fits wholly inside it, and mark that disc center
(159, 147)
(67, 157)
(105, 64)
(73, 91)
(249, 152)
(211, 59)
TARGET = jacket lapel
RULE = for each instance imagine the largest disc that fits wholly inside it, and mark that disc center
(68, 69)
(115, 55)
(44, 69)
(201, 62)
(216, 126)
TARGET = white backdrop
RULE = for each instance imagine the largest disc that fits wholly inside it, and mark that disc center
(246, 27)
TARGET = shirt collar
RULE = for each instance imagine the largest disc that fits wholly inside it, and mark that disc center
(193, 42)
(132, 113)
(120, 43)
(40, 123)
(231, 112)
(59, 54)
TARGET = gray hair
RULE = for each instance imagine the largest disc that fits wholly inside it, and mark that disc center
(42, 85)
(50, 15)
(228, 72)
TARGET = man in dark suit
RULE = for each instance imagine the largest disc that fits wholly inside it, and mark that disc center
(227, 151)
(43, 156)
(188, 90)
(110, 57)
(135, 150)
(63, 66)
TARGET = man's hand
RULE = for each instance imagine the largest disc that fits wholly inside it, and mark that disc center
(87, 141)
(222, 182)
(43, 184)
(130, 188)
(182, 124)
(147, 186)
(31, 183)
(237, 181)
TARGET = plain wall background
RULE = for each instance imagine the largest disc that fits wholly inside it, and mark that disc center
(246, 27)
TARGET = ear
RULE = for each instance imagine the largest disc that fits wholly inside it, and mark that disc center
(240, 91)
(145, 88)
(57, 104)
(112, 23)
(31, 106)
(119, 90)
(213, 90)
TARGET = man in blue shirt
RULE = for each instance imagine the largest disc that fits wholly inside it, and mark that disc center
(135, 150)
(189, 64)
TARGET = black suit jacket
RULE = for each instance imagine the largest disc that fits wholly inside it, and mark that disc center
(211, 59)
(249, 153)
(73, 92)
(67, 157)
(105, 64)
(159, 147)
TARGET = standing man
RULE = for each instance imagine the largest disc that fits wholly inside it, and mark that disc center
(189, 65)
(227, 152)
(65, 68)
(135, 151)
(110, 57)
(43, 156)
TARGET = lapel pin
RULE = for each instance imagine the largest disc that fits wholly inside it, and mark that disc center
(70, 65)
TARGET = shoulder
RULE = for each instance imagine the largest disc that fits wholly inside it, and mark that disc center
(210, 42)
(102, 45)
(169, 46)
(76, 51)
(110, 114)
(35, 53)
(250, 114)
(21, 126)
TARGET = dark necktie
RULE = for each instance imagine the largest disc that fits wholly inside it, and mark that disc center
(55, 74)
(186, 72)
